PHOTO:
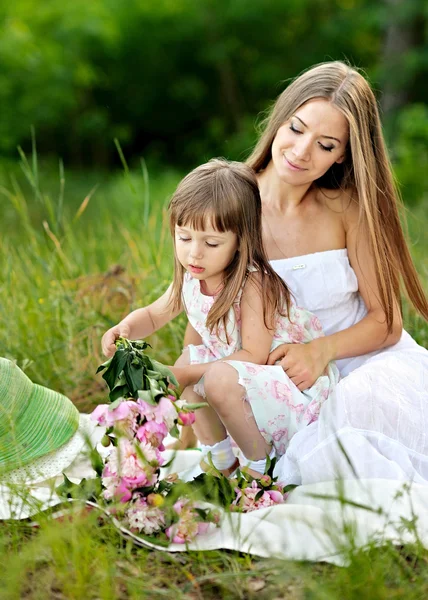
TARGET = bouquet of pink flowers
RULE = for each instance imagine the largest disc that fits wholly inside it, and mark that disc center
(144, 409)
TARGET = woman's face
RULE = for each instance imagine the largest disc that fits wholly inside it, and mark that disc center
(307, 145)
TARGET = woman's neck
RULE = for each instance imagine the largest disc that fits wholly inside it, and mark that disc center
(278, 194)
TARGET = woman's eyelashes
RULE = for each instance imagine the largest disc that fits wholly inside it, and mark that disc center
(325, 148)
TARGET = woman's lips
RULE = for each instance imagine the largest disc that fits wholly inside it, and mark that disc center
(292, 166)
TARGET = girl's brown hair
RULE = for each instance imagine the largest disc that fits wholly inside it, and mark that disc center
(365, 173)
(226, 196)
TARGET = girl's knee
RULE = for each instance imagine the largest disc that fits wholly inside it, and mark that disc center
(219, 380)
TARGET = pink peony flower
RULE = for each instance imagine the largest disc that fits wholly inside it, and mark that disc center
(188, 525)
(184, 531)
(128, 467)
(144, 518)
(276, 496)
(152, 433)
(180, 504)
(164, 412)
(186, 418)
(123, 417)
(265, 480)
(246, 498)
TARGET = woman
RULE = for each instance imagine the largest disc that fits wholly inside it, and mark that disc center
(332, 231)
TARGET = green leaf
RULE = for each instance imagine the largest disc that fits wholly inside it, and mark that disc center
(175, 432)
(194, 406)
(115, 368)
(96, 461)
(154, 388)
(65, 488)
(153, 374)
(258, 495)
(140, 344)
(164, 486)
(134, 378)
(147, 396)
(203, 513)
(87, 489)
(211, 488)
(289, 488)
(104, 365)
(165, 372)
(118, 393)
(270, 467)
(169, 463)
(115, 404)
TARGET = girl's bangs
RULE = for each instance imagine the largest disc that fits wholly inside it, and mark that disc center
(200, 215)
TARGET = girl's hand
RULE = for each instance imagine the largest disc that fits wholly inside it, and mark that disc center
(303, 363)
(108, 340)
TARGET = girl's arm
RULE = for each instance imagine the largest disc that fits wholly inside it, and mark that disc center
(305, 363)
(140, 323)
(191, 336)
(256, 337)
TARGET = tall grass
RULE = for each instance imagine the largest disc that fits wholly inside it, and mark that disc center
(73, 263)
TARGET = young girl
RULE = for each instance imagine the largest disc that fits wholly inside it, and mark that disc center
(242, 310)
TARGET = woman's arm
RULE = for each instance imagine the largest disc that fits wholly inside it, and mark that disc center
(140, 323)
(256, 337)
(305, 363)
(371, 333)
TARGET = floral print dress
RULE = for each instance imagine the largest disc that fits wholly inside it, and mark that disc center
(279, 407)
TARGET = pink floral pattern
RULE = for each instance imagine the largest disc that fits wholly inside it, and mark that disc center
(279, 407)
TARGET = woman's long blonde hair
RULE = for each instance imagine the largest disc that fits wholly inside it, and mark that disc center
(225, 195)
(365, 173)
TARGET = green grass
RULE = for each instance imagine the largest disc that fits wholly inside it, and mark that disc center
(78, 251)
(79, 559)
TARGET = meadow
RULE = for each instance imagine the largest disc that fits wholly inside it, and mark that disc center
(78, 251)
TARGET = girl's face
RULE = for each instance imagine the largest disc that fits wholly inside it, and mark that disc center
(307, 145)
(205, 254)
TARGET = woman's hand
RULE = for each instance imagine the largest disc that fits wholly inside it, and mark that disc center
(109, 338)
(303, 363)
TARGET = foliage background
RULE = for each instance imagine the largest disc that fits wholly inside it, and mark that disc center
(179, 81)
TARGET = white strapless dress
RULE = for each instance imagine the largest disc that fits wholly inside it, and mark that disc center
(375, 425)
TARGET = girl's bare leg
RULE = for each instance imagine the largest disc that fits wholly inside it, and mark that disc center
(208, 428)
(187, 439)
(204, 416)
(227, 397)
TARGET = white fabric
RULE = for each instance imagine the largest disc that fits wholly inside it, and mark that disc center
(222, 455)
(311, 525)
(379, 410)
(326, 284)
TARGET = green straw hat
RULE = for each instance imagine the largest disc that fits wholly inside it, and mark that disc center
(35, 422)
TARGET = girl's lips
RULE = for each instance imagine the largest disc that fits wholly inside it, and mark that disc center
(195, 269)
(293, 166)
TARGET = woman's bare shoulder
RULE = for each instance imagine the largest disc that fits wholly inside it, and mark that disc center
(343, 202)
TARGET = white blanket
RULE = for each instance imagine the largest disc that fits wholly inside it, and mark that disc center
(309, 526)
